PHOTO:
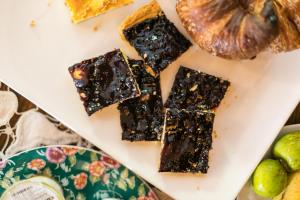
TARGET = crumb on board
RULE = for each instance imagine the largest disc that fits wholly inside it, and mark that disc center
(49, 2)
(215, 134)
(33, 23)
(95, 28)
(198, 188)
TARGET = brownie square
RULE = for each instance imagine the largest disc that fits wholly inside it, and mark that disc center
(104, 80)
(158, 41)
(187, 140)
(195, 90)
(142, 117)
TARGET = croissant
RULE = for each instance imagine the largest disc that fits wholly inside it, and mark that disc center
(240, 29)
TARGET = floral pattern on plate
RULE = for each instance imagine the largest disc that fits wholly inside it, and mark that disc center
(83, 174)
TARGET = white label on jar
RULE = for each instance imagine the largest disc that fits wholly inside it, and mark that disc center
(32, 191)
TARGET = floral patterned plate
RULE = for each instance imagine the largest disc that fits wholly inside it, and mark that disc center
(83, 174)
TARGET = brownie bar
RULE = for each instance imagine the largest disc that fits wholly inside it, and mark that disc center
(104, 80)
(142, 117)
(195, 90)
(158, 41)
(187, 140)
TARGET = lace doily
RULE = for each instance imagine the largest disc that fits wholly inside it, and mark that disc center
(32, 129)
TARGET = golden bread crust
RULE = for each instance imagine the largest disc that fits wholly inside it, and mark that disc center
(84, 9)
(148, 11)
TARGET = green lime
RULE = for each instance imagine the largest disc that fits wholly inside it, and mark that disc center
(288, 149)
(269, 178)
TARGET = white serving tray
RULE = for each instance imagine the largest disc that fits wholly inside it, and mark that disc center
(34, 62)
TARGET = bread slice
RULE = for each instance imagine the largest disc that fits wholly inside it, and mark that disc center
(84, 9)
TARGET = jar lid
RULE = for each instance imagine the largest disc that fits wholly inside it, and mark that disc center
(36, 188)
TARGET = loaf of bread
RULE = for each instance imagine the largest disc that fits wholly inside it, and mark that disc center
(240, 29)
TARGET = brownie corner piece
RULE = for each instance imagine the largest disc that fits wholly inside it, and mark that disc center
(104, 80)
(196, 90)
(157, 41)
(187, 140)
(142, 117)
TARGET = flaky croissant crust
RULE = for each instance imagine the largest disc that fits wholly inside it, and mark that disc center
(240, 29)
